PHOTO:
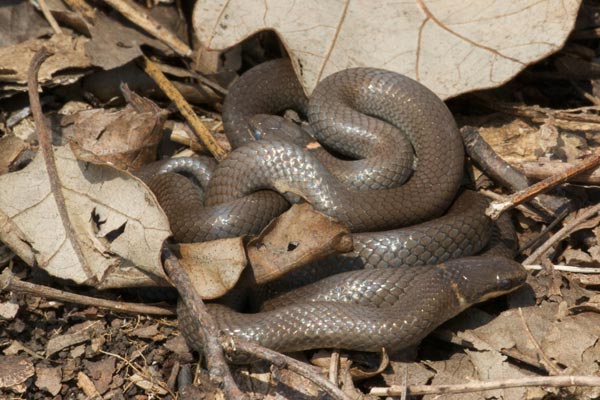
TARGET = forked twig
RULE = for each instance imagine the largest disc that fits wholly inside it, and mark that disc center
(497, 208)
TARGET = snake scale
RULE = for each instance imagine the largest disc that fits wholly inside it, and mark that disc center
(368, 118)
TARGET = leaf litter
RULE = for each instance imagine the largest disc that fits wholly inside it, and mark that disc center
(59, 349)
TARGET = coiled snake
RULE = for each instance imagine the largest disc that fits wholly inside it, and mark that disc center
(367, 115)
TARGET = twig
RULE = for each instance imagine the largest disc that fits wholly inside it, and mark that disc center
(582, 216)
(172, 93)
(564, 268)
(495, 209)
(502, 172)
(552, 381)
(334, 366)
(138, 16)
(45, 139)
(580, 114)
(142, 372)
(588, 96)
(282, 361)
(526, 209)
(547, 362)
(8, 282)
(563, 214)
(49, 17)
(544, 169)
(218, 369)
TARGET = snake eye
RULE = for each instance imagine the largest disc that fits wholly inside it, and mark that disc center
(505, 284)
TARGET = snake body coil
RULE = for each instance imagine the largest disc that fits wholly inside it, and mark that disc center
(368, 309)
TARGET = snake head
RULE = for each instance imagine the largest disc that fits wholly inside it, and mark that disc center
(477, 279)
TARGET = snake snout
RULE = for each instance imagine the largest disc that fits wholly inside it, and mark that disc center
(477, 279)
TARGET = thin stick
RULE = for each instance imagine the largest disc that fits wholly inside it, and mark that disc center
(563, 214)
(138, 16)
(547, 363)
(565, 268)
(282, 361)
(551, 381)
(582, 216)
(184, 107)
(218, 369)
(543, 169)
(8, 282)
(495, 209)
(49, 17)
(45, 139)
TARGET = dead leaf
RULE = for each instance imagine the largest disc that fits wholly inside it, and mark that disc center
(576, 257)
(298, 237)
(126, 138)
(108, 209)
(570, 341)
(477, 366)
(213, 267)
(11, 147)
(65, 66)
(475, 39)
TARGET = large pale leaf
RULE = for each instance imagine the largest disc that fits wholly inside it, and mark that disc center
(118, 224)
(450, 46)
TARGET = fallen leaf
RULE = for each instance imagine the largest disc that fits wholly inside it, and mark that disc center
(66, 65)
(11, 147)
(474, 39)
(298, 237)
(126, 138)
(108, 209)
(213, 267)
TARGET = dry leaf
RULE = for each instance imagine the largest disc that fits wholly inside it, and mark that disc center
(118, 223)
(65, 66)
(213, 267)
(11, 147)
(450, 47)
(298, 237)
(126, 138)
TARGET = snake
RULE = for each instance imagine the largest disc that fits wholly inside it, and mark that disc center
(379, 300)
